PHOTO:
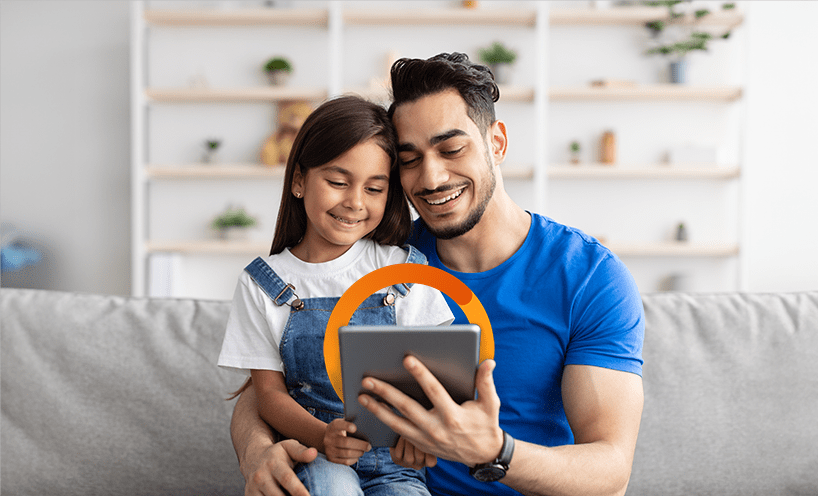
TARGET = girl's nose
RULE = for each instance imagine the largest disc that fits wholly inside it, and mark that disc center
(354, 199)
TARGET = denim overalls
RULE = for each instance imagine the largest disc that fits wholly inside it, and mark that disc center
(302, 353)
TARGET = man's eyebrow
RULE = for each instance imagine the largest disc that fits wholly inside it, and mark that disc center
(409, 147)
(341, 170)
(447, 135)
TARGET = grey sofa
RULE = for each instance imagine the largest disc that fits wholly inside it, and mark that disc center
(120, 396)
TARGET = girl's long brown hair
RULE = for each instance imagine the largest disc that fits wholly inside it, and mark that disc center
(331, 130)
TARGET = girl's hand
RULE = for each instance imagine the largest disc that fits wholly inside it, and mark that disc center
(340, 448)
(408, 455)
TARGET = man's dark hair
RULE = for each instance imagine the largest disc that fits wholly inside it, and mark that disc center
(416, 78)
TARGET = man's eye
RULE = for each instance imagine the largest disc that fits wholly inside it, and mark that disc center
(409, 162)
(452, 152)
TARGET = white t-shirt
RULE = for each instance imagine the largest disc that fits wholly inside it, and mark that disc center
(255, 324)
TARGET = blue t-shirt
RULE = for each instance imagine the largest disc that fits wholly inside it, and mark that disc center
(561, 299)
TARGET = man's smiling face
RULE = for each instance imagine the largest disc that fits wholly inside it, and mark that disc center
(445, 166)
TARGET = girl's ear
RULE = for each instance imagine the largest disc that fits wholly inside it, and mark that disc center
(297, 188)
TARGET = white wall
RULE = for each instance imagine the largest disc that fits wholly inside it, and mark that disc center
(781, 171)
(65, 137)
(64, 140)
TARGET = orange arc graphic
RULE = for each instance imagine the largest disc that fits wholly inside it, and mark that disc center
(407, 273)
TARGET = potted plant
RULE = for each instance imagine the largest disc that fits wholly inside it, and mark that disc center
(679, 48)
(211, 146)
(574, 148)
(278, 70)
(233, 223)
(499, 59)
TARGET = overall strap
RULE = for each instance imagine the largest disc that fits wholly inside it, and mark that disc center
(266, 278)
(415, 256)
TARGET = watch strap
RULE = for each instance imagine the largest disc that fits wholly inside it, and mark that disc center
(496, 469)
(507, 451)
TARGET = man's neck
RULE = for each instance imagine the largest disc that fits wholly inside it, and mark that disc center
(499, 234)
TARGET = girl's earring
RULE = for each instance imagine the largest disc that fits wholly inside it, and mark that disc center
(297, 194)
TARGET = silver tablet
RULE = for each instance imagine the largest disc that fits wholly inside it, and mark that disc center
(451, 353)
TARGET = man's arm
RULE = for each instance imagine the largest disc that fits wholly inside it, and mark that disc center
(267, 465)
(603, 407)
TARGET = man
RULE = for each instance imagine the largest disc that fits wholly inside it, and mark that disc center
(558, 408)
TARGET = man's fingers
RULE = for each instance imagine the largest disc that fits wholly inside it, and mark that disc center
(298, 452)
(434, 390)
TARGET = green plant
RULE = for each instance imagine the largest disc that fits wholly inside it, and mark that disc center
(695, 40)
(278, 64)
(574, 146)
(213, 144)
(233, 217)
(497, 53)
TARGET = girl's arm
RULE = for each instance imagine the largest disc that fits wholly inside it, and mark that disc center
(291, 420)
(283, 413)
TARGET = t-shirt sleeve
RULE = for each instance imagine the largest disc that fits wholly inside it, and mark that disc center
(423, 305)
(608, 320)
(249, 342)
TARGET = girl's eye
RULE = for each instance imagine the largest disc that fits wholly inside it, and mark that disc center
(375, 190)
(336, 184)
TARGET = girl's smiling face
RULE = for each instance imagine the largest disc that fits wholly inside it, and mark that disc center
(344, 199)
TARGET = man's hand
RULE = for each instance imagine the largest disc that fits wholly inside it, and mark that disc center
(273, 474)
(341, 448)
(408, 455)
(469, 433)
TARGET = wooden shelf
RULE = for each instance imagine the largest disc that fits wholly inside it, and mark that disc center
(209, 247)
(517, 172)
(671, 92)
(219, 247)
(600, 171)
(260, 171)
(259, 94)
(237, 17)
(637, 16)
(447, 17)
(214, 171)
(680, 249)
(508, 93)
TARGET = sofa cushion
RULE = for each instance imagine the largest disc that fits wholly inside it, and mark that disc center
(731, 395)
(109, 395)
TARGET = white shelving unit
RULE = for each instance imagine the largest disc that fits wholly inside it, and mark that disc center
(337, 22)
(350, 62)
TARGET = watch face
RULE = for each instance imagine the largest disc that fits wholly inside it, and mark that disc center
(490, 473)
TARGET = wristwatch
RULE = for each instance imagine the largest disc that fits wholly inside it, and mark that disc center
(496, 470)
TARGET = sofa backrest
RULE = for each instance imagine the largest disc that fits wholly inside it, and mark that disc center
(731, 395)
(120, 396)
(114, 396)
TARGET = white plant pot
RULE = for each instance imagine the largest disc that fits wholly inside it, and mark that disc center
(278, 78)
(233, 233)
(502, 73)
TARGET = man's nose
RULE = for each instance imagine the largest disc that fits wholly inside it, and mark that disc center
(433, 174)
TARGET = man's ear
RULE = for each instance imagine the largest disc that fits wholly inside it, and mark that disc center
(498, 141)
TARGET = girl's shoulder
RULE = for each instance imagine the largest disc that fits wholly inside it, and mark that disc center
(382, 255)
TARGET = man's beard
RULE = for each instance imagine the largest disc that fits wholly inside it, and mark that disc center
(475, 215)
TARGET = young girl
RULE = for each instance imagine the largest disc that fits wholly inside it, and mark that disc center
(343, 214)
